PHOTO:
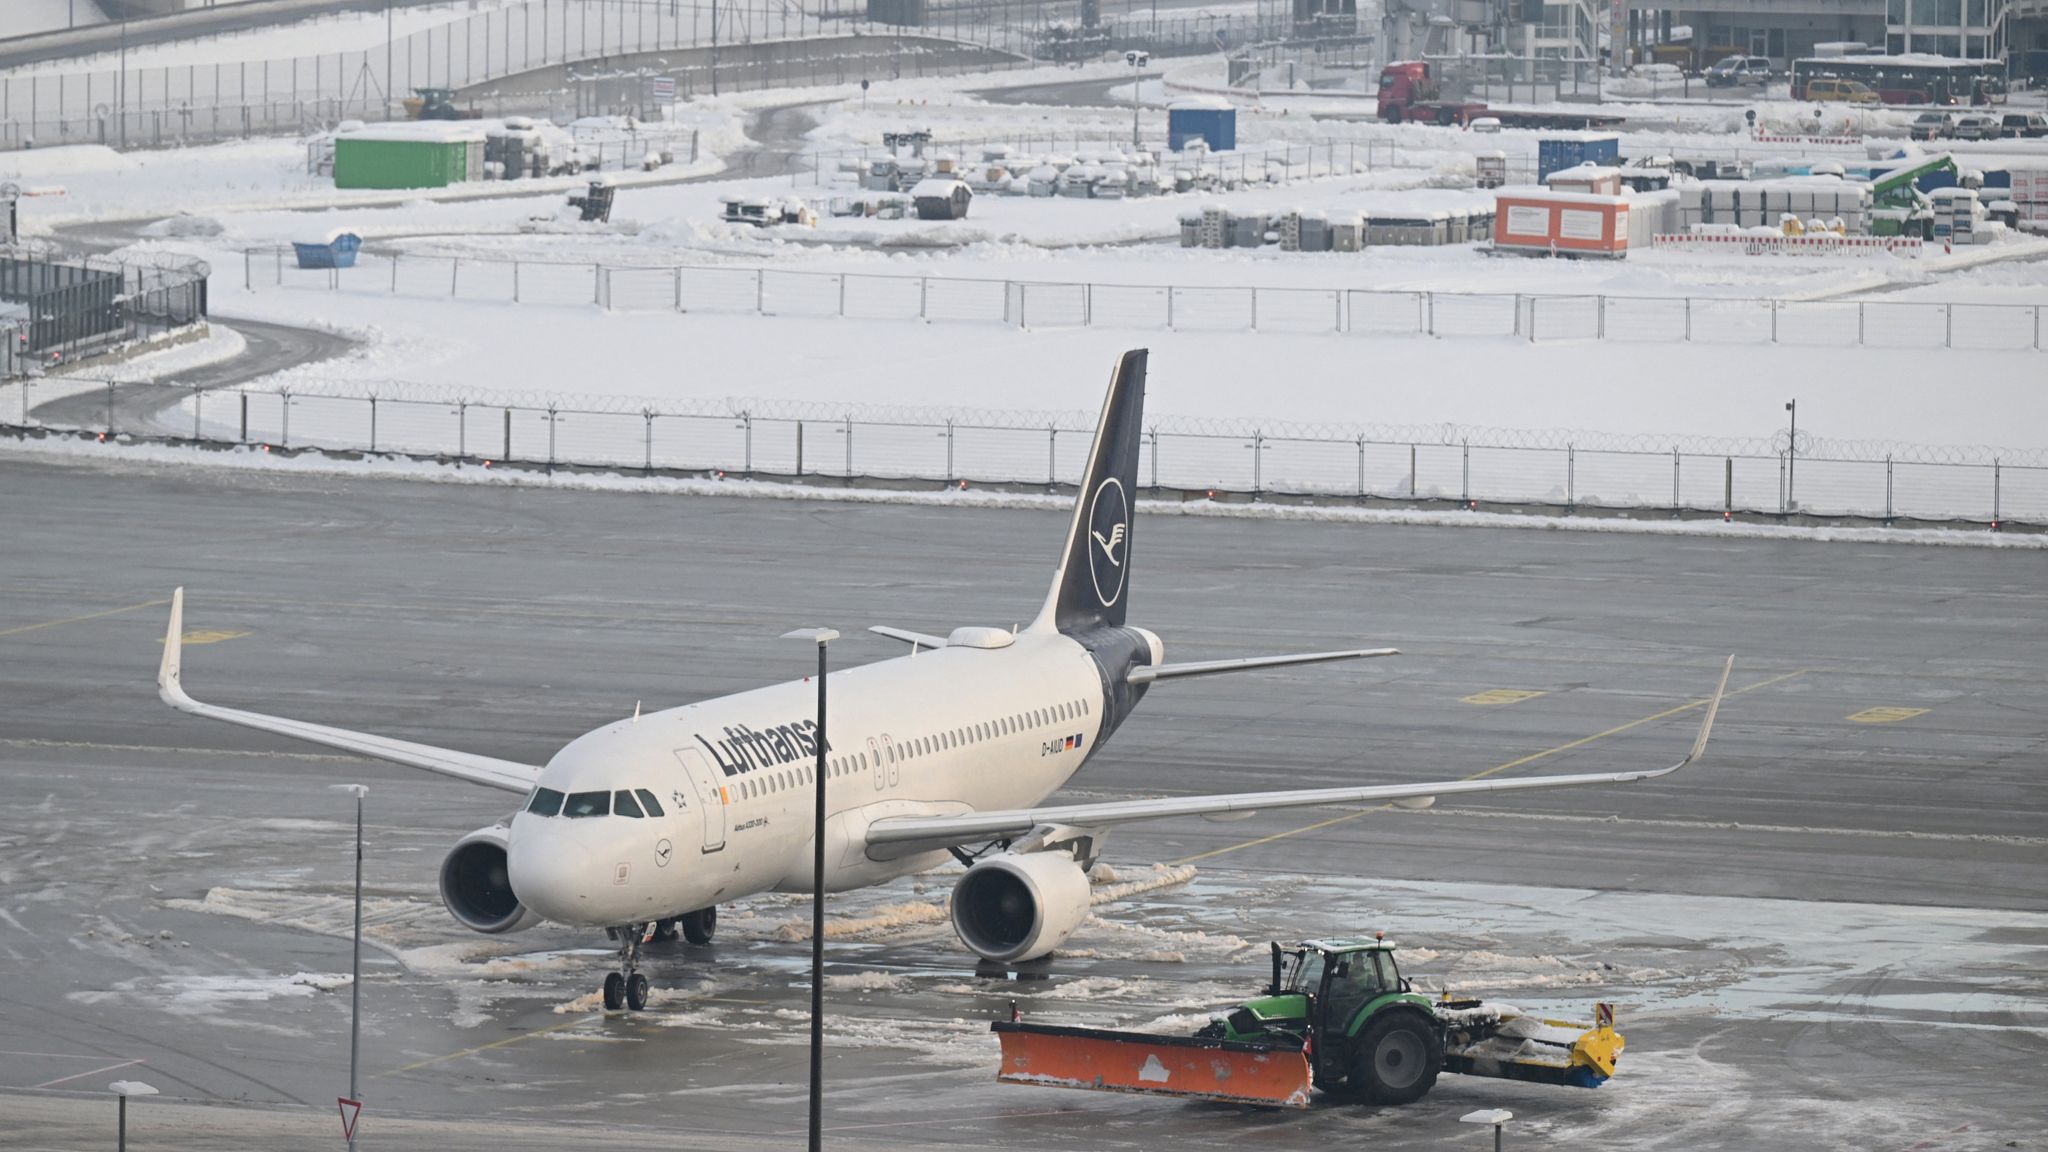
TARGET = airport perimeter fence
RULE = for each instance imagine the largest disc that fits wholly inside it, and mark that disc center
(1533, 317)
(67, 307)
(120, 106)
(1444, 466)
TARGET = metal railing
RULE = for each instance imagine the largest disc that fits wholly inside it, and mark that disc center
(75, 306)
(1533, 317)
(120, 106)
(1438, 465)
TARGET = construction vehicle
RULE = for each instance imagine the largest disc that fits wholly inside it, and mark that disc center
(438, 104)
(1337, 1016)
(1409, 92)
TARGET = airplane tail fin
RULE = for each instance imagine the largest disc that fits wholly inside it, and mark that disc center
(1092, 585)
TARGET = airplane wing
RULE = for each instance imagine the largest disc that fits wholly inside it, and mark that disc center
(503, 774)
(906, 834)
(1147, 674)
(914, 639)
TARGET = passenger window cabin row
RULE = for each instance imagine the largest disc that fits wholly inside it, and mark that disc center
(639, 802)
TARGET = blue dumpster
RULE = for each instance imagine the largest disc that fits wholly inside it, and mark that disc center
(1206, 118)
(338, 252)
(1562, 150)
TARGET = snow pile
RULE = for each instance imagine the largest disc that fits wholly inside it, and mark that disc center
(865, 982)
(1162, 876)
(877, 922)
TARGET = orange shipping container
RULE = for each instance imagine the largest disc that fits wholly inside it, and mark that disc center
(1571, 223)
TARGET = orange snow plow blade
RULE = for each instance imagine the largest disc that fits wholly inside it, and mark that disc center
(1198, 1069)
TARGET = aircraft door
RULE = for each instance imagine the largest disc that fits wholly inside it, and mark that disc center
(711, 796)
(875, 754)
(893, 757)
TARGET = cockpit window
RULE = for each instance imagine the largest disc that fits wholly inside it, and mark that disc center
(588, 804)
(545, 802)
(647, 802)
(623, 804)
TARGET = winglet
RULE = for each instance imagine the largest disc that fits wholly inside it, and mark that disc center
(167, 682)
(1699, 744)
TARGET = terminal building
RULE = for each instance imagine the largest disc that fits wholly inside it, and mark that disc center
(1787, 30)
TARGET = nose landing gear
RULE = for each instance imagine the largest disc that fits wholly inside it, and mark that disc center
(626, 988)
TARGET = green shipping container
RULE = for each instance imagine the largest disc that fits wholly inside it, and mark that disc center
(386, 163)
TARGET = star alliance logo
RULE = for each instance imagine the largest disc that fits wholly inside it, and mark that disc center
(1109, 525)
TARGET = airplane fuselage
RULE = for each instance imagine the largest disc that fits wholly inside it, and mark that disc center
(939, 732)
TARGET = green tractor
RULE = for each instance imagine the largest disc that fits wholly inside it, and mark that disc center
(1367, 1033)
(1337, 1016)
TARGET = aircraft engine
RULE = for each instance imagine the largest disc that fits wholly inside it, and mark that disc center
(477, 887)
(1020, 907)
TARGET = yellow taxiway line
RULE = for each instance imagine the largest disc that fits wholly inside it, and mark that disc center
(1515, 763)
(81, 619)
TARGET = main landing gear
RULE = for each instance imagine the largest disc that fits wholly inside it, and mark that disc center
(627, 988)
(697, 927)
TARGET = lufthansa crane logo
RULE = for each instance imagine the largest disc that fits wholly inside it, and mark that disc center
(1109, 527)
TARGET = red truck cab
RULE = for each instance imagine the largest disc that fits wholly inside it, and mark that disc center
(1408, 91)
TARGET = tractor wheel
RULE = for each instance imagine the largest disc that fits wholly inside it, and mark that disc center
(1394, 114)
(1399, 1056)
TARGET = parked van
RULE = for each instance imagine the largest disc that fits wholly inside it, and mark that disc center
(2023, 124)
(1841, 91)
(1732, 70)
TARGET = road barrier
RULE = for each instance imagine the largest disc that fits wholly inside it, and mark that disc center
(1812, 244)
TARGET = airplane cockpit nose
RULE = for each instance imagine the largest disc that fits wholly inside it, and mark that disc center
(550, 873)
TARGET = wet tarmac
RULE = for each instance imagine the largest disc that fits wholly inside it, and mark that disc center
(1828, 935)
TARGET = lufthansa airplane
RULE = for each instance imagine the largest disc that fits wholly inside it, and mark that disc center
(656, 820)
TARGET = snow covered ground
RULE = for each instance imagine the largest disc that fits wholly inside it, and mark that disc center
(450, 333)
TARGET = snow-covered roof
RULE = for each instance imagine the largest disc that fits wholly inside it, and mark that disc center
(1199, 103)
(1551, 196)
(1904, 59)
(1584, 172)
(939, 186)
(1582, 137)
(424, 131)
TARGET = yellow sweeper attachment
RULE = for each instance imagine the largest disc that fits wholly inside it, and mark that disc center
(1498, 1041)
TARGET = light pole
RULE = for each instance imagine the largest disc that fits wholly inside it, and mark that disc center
(387, 56)
(123, 1089)
(821, 637)
(355, 967)
(1137, 60)
(1791, 454)
(1498, 1117)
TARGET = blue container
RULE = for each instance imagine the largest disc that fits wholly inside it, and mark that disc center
(1215, 123)
(1571, 149)
(339, 252)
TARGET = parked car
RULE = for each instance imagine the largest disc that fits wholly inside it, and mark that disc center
(1976, 126)
(2023, 124)
(1730, 71)
(1932, 126)
(1841, 91)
